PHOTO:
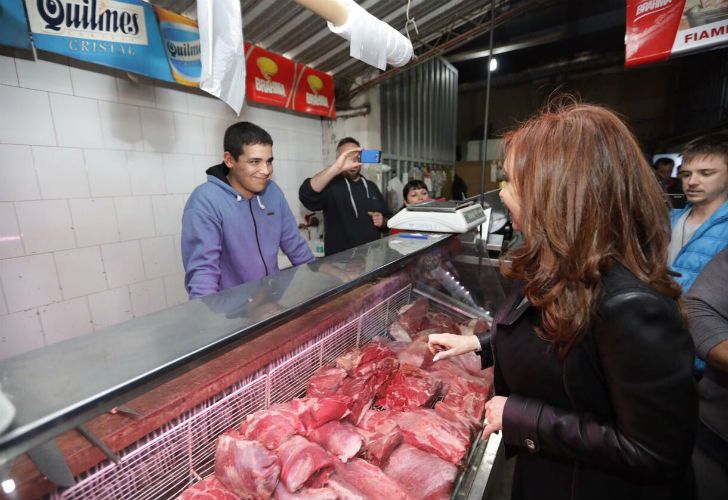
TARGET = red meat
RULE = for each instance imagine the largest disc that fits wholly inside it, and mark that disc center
(409, 387)
(340, 440)
(423, 428)
(412, 315)
(399, 332)
(382, 421)
(207, 489)
(305, 494)
(344, 490)
(414, 353)
(325, 381)
(300, 459)
(272, 426)
(441, 323)
(379, 444)
(370, 480)
(373, 358)
(314, 412)
(362, 391)
(421, 474)
(245, 467)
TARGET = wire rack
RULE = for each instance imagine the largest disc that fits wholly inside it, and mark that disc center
(164, 463)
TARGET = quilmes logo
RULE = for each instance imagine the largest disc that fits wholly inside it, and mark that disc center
(316, 85)
(90, 19)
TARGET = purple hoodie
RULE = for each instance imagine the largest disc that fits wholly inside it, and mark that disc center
(228, 240)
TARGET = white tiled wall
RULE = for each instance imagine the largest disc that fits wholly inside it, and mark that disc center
(94, 174)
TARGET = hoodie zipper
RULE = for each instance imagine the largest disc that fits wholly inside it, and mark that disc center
(255, 226)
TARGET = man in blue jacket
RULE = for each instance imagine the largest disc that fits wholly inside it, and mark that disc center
(234, 224)
(700, 230)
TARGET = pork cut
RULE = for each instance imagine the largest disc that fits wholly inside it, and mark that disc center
(421, 474)
(314, 412)
(423, 428)
(245, 467)
(370, 480)
(209, 488)
(409, 387)
(325, 381)
(338, 439)
(300, 459)
(272, 426)
(305, 494)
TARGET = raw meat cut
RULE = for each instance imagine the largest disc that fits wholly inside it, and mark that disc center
(399, 332)
(454, 378)
(338, 439)
(421, 474)
(441, 323)
(474, 327)
(470, 362)
(414, 353)
(272, 426)
(305, 494)
(370, 480)
(375, 357)
(325, 381)
(423, 428)
(398, 346)
(300, 459)
(362, 391)
(313, 412)
(245, 467)
(344, 490)
(412, 315)
(454, 414)
(374, 420)
(409, 387)
(379, 444)
(207, 489)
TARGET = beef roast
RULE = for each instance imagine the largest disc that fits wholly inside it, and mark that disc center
(370, 480)
(300, 459)
(423, 428)
(209, 488)
(409, 387)
(325, 381)
(422, 474)
(339, 439)
(272, 426)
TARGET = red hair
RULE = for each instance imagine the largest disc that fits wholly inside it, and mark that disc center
(588, 196)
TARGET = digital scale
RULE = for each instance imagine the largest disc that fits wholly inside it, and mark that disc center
(439, 216)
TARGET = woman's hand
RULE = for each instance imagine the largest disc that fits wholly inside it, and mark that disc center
(447, 345)
(494, 414)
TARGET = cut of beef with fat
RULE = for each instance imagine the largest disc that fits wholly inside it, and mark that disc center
(362, 391)
(314, 412)
(412, 315)
(422, 474)
(272, 426)
(339, 439)
(344, 490)
(440, 323)
(305, 494)
(208, 489)
(423, 428)
(370, 480)
(379, 444)
(325, 381)
(399, 332)
(300, 459)
(245, 467)
(409, 387)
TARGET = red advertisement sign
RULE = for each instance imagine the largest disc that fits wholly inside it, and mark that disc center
(269, 78)
(657, 29)
(315, 93)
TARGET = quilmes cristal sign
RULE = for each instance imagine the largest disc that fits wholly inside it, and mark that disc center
(117, 33)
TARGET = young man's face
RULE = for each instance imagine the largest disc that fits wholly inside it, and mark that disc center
(250, 172)
(417, 195)
(352, 173)
(705, 180)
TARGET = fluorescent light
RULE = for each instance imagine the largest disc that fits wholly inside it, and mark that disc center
(493, 64)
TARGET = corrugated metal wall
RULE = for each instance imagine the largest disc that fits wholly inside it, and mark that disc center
(418, 113)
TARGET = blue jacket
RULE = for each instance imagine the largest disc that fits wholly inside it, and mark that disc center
(710, 238)
(228, 240)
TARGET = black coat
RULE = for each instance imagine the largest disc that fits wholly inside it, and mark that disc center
(615, 419)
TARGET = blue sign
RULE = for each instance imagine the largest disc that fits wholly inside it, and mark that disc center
(122, 34)
(13, 24)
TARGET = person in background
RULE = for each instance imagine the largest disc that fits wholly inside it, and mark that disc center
(354, 209)
(663, 170)
(234, 224)
(707, 306)
(592, 359)
(700, 230)
(413, 192)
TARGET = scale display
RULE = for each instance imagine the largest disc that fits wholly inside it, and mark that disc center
(439, 216)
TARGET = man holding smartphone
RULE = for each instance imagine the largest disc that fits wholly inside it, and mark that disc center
(354, 209)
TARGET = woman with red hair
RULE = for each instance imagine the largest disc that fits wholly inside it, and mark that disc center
(593, 362)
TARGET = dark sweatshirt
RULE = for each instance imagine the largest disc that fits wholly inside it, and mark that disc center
(343, 227)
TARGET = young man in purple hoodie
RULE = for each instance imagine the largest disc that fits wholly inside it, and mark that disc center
(234, 224)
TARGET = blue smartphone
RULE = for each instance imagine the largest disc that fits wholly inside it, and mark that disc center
(370, 156)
